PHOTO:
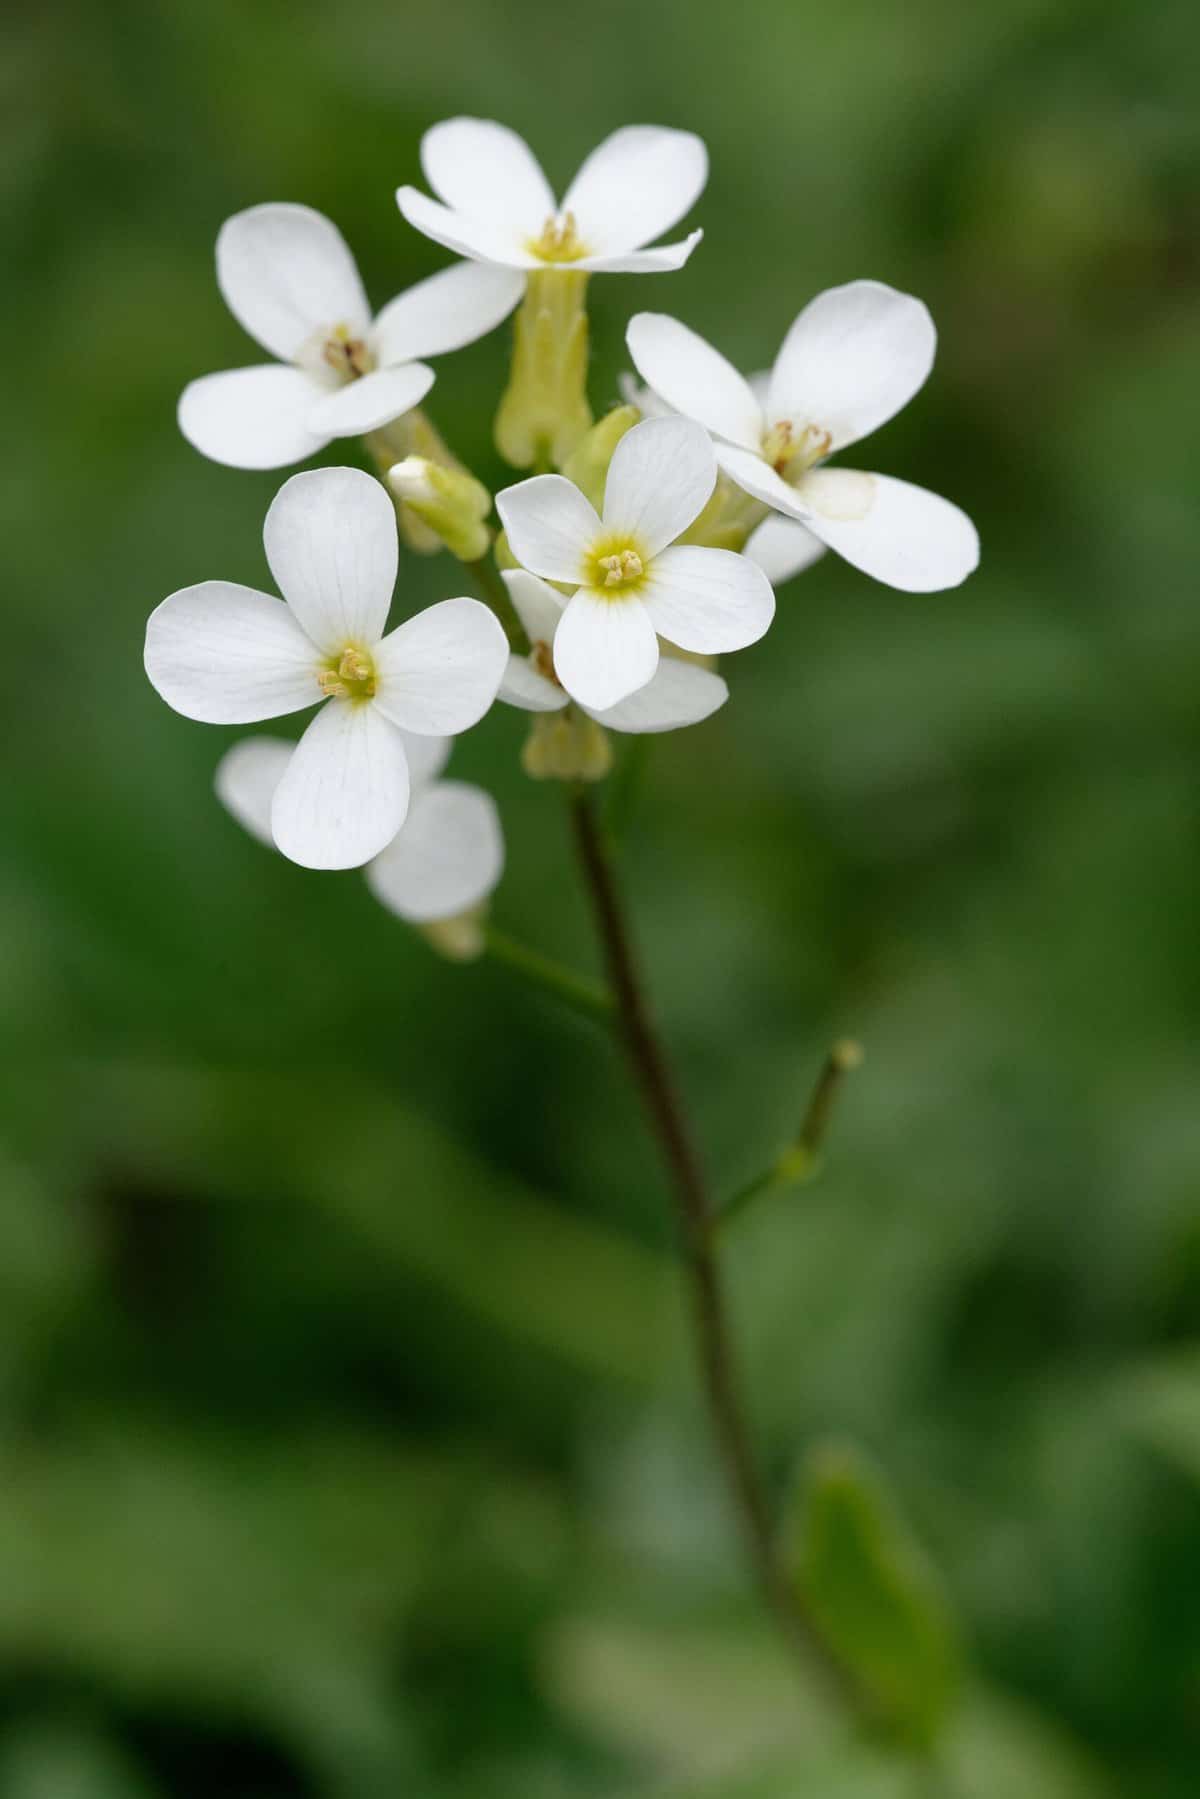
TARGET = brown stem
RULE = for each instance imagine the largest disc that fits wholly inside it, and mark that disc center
(655, 1081)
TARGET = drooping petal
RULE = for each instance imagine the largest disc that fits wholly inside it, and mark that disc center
(757, 478)
(371, 401)
(783, 548)
(905, 536)
(252, 418)
(448, 857)
(604, 649)
(246, 778)
(450, 309)
(640, 262)
(660, 478)
(523, 687)
(330, 538)
(488, 172)
(285, 272)
(440, 671)
(344, 793)
(537, 605)
(480, 239)
(851, 360)
(636, 184)
(229, 655)
(679, 694)
(550, 526)
(427, 757)
(693, 378)
(708, 600)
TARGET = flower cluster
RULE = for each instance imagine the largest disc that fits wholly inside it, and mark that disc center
(641, 547)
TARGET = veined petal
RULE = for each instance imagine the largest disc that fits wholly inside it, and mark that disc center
(636, 184)
(482, 240)
(330, 538)
(537, 605)
(252, 418)
(450, 309)
(550, 526)
(488, 172)
(448, 857)
(440, 671)
(286, 271)
(783, 548)
(604, 649)
(427, 757)
(678, 694)
(693, 378)
(246, 778)
(373, 400)
(708, 600)
(851, 360)
(344, 794)
(522, 686)
(660, 478)
(639, 262)
(229, 655)
(757, 478)
(906, 536)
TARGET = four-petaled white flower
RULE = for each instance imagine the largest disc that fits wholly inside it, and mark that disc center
(851, 360)
(631, 587)
(679, 692)
(289, 279)
(499, 208)
(229, 655)
(448, 854)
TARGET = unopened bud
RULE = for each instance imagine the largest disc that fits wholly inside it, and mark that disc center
(452, 503)
(566, 746)
(587, 465)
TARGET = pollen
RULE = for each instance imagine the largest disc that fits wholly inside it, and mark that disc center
(350, 676)
(559, 241)
(621, 567)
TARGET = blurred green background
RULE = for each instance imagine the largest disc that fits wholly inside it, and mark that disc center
(349, 1439)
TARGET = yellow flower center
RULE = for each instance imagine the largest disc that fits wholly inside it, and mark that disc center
(793, 452)
(349, 676)
(621, 568)
(559, 241)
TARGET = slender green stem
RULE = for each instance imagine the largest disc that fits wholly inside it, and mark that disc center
(800, 1162)
(655, 1081)
(584, 995)
(495, 594)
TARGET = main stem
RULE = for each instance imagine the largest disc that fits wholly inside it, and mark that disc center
(656, 1083)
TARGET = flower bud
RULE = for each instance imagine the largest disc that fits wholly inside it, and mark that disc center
(587, 465)
(458, 939)
(566, 746)
(452, 503)
(544, 410)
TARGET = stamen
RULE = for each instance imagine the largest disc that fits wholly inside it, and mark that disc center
(559, 241)
(625, 565)
(792, 454)
(351, 677)
(347, 356)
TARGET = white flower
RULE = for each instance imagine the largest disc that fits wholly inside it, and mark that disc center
(851, 360)
(679, 692)
(448, 854)
(228, 655)
(631, 588)
(289, 279)
(499, 208)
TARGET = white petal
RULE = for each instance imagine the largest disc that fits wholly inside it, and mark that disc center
(448, 857)
(550, 526)
(679, 694)
(693, 378)
(522, 686)
(373, 400)
(246, 779)
(639, 262)
(783, 548)
(489, 173)
(604, 649)
(229, 655)
(344, 794)
(252, 418)
(450, 309)
(480, 239)
(908, 537)
(636, 184)
(852, 359)
(757, 478)
(440, 671)
(660, 478)
(708, 600)
(538, 606)
(427, 757)
(285, 272)
(330, 538)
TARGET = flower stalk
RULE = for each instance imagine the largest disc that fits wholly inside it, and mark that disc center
(544, 410)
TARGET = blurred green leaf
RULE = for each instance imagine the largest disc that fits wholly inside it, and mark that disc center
(1162, 1407)
(872, 1593)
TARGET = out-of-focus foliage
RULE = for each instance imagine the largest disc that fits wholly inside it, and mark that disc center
(349, 1444)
